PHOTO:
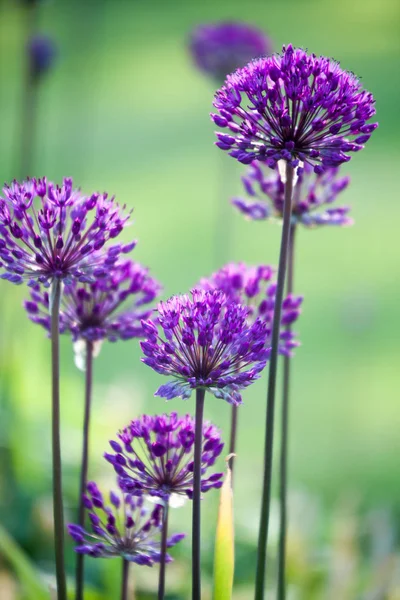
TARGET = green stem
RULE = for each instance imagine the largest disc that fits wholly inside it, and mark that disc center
(273, 364)
(285, 439)
(58, 510)
(124, 579)
(164, 537)
(198, 439)
(84, 466)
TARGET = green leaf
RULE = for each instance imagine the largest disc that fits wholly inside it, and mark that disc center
(29, 578)
(224, 559)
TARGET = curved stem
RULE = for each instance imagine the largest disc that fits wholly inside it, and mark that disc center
(124, 579)
(232, 441)
(198, 439)
(164, 536)
(269, 425)
(84, 466)
(58, 510)
(285, 440)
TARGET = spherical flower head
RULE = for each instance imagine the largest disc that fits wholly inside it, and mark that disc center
(220, 48)
(155, 456)
(255, 288)
(110, 308)
(124, 527)
(294, 107)
(50, 232)
(312, 193)
(41, 53)
(207, 344)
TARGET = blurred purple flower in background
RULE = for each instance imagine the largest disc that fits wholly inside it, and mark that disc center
(110, 308)
(295, 107)
(42, 53)
(154, 455)
(255, 288)
(312, 192)
(220, 48)
(208, 345)
(122, 528)
(57, 239)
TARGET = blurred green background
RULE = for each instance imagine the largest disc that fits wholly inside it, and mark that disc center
(125, 111)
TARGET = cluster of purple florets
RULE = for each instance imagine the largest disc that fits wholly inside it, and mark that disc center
(154, 455)
(295, 107)
(124, 526)
(313, 192)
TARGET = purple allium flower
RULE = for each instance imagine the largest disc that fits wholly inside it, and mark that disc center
(220, 48)
(42, 53)
(154, 455)
(312, 192)
(255, 288)
(208, 344)
(123, 528)
(111, 308)
(49, 232)
(293, 107)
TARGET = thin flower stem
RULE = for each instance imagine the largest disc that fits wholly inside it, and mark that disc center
(84, 466)
(58, 510)
(285, 439)
(269, 426)
(124, 579)
(232, 441)
(164, 536)
(198, 438)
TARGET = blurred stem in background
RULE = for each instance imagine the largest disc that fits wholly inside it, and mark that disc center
(284, 437)
(164, 534)
(196, 528)
(273, 364)
(224, 213)
(79, 573)
(58, 510)
(124, 579)
(28, 104)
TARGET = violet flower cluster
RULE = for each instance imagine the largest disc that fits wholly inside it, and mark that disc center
(49, 232)
(295, 107)
(220, 48)
(110, 308)
(255, 288)
(208, 343)
(154, 456)
(312, 193)
(123, 528)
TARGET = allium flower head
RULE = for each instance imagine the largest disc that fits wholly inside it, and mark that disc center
(41, 52)
(293, 107)
(49, 232)
(220, 48)
(154, 455)
(110, 308)
(255, 288)
(123, 527)
(312, 192)
(208, 343)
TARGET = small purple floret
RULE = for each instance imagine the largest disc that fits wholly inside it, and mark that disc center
(208, 344)
(49, 232)
(265, 200)
(124, 528)
(42, 53)
(295, 107)
(220, 48)
(156, 456)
